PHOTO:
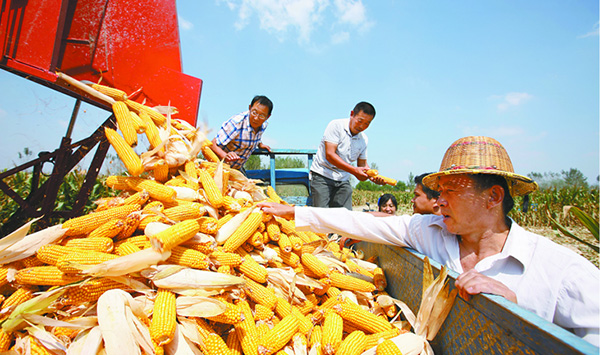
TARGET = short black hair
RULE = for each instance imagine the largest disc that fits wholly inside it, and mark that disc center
(263, 100)
(429, 192)
(383, 199)
(364, 107)
(486, 181)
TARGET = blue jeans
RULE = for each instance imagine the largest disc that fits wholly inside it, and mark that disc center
(330, 193)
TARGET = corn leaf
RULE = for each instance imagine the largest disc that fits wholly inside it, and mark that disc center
(35, 305)
(588, 221)
(568, 233)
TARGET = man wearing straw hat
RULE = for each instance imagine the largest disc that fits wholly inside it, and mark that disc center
(475, 237)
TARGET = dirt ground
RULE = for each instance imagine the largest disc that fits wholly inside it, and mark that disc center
(553, 235)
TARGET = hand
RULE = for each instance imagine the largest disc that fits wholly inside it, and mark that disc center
(361, 173)
(378, 180)
(472, 282)
(231, 156)
(277, 209)
(264, 146)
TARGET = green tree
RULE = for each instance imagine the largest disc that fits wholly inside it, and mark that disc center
(574, 177)
(547, 180)
(253, 163)
(410, 183)
(289, 162)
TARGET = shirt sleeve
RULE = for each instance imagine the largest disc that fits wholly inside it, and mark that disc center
(363, 153)
(228, 131)
(353, 224)
(332, 133)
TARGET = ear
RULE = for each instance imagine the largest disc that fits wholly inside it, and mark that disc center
(352, 113)
(496, 196)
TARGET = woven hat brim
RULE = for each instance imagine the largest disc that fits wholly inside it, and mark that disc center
(519, 185)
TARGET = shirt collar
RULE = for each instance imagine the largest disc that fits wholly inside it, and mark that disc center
(518, 245)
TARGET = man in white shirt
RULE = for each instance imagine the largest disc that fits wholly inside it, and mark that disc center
(475, 237)
(343, 143)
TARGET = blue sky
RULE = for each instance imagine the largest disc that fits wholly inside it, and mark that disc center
(523, 72)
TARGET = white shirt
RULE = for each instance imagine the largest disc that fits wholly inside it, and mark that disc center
(550, 280)
(350, 148)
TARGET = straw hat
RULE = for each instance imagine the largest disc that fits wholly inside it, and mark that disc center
(481, 155)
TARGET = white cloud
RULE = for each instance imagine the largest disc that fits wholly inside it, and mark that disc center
(185, 24)
(594, 32)
(302, 17)
(340, 37)
(511, 99)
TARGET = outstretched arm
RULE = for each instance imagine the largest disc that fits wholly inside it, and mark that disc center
(277, 209)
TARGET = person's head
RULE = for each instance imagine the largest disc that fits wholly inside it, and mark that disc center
(425, 199)
(476, 180)
(387, 204)
(260, 110)
(361, 117)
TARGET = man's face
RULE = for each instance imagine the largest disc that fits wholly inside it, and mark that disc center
(461, 204)
(421, 203)
(359, 121)
(258, 115)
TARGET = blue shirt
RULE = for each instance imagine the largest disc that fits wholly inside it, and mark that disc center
(237, 135)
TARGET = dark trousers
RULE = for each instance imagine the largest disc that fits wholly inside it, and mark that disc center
(330, 193)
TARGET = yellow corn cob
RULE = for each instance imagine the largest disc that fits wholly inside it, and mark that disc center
(314, 341)
(101, 244)
(224, 258)
(292, 259)
(209, 154)
(138, 198)
(256, 239)
(190, 170)
(153, 207)
(108, 229)
(373, 339)
(304, 323)
(20, 295)
(253, 270)
(387, 180)
(132, 222)
(232, 314)
(174, 235)
(164, 317)
(89, 291)
(36, 348)
(296, 243)
(273, 195)
(260, 294)
(214, 195)
(50, 253)
(47, 275)
(188, 257)
(273, 230)
(286, 226)
(215, 345)
(5, 340)
(156, 116)
(151, 130)
(128, 156)
(205, 248)
(183, 212)
(31, 261)
(332, 332)
(354, 267)
(246, 330)
(126, 249)
(334, 247)
(161, 171)
(226, 218)
(138, 124)
(208, 225)
(309, 304)
(379, 279)
(230, 204)
(282, 308)
(261, 227)
(233, 343)
(146, 220)
(360, 318)
(117, 182)
(203, 328)
(247, 247)
(278, 336)
(87, 223)
(156, 190)
(262, 313)
(350, 283)
(264, 327)
(387, 347)
(226, 269)
(354, 344)
(244, 232)
(111, 92)
(70, 263)
(125, 122)
(284, 243)
(372, 172)
(176, 181)
(333, 291)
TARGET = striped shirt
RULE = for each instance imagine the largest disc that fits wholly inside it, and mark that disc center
(237, 135)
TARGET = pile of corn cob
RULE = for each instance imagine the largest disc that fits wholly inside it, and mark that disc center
(184, 263)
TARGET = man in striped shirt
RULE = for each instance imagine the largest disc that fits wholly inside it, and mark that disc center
(240, 135)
